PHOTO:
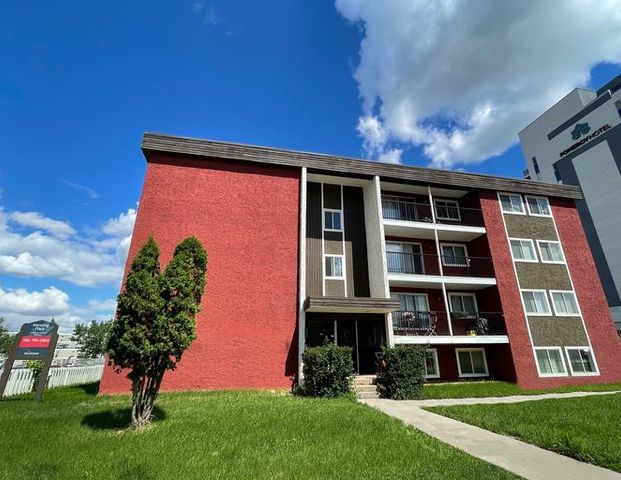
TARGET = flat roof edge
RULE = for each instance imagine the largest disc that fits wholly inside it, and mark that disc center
(157, 142)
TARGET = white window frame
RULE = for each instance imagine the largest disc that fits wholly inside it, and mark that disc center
(332, 211)
(562, 314)
(420, 245)
(466, 256)
(330, 255)
(435, 206)
(511, 212)
(532, 245)
(434, 351)
(471, 375)
(396, 296)
(563, 362)
(560, 248)
(571, 368)
(462, 294)
(531, 213)
(548, 313)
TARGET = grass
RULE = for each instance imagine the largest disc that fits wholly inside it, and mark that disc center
(502, 389)
(74, 434)
(585, 428)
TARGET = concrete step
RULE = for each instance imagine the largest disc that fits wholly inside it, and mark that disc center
(365, 388)
(365, 380)
(363, 395)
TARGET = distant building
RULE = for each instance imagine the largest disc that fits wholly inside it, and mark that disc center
(578, 142)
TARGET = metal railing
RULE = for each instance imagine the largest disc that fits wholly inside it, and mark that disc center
(412, 323)
(452, 265)
(478, 323)
(421, 212)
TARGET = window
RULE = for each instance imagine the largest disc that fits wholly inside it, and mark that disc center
(334, 266)
(581, 360)
(462, 302)
(557, 174)
(405, 258)
(512, 203)
(564, 303)
(550, 362)
(550, 252)
(454, 255)
(538, 206)
(432, 369)
(523, 250)
(447, 210)
(332, 220)
(536, 302)
(471, 362)
(412, 302)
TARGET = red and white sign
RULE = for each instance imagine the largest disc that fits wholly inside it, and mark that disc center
(34, 342)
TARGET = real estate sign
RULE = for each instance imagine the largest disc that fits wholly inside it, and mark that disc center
(35, 341)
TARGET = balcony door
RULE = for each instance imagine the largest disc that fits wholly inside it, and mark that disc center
(463, 303)
(412, 302)
(405, 257)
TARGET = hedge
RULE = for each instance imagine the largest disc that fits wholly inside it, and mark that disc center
(401, 372)
(328, 371)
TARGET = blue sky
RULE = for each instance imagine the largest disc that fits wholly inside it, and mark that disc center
(81, 81)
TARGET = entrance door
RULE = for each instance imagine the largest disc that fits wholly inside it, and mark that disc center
(366, 337)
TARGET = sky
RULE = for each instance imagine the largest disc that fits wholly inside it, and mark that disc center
(447, 84)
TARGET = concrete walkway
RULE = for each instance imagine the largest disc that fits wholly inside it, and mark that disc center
(521, 458)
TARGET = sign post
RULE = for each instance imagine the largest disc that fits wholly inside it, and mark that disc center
(35, 341)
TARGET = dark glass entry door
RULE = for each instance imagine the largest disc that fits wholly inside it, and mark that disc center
(366, 337)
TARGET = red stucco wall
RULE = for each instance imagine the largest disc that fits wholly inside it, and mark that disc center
(588, 290)
(247, 218)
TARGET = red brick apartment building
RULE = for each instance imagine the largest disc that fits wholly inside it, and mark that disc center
(493, 274)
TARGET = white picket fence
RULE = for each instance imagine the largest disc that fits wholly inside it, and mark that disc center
(20, 380)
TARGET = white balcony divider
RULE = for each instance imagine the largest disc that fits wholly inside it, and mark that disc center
(20, 380)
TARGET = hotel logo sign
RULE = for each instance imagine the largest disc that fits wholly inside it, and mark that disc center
(583, 129)
(579, 130)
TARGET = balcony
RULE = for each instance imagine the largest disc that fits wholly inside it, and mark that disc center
(452, 265)
(421, 212)
(433, 327)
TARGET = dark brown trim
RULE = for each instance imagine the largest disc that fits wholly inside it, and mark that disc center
(351, 304)
(328, 164)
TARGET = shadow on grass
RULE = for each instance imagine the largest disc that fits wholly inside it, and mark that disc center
(116, 419)
(90, 388)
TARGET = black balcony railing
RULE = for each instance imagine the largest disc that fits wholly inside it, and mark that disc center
(415, 263)
(437, 323)
(478, 323)
(420, 323)
(452, 265)
(461, 266)
(421, 212)
(410, 211)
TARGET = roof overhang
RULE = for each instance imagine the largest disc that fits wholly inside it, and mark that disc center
(334, 165)
(350, 305)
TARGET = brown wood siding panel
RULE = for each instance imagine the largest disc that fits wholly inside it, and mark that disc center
(313, 239)
(355, 243)
(333, 243)
(523, 226)
(153, 142)
(335, 288)
(546, 276)
(361, 302)
(557, 331)
(331, 196)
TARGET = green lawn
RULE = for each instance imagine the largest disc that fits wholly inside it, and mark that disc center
(502, 389)
(585, 428)
(226, 435)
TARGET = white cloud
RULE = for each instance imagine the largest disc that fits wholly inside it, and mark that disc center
(36, 220)
(461, 78)
(86, 260)
(90, 193)
(47, 302)
(207, 12)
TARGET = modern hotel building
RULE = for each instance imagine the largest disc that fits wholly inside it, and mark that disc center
(578, 142)
(493, 274)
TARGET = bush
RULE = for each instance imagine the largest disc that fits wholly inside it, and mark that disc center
(36, 367)
(401, 372)
(328, 371)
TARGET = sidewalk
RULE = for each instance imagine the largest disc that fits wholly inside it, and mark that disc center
(521, 458)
